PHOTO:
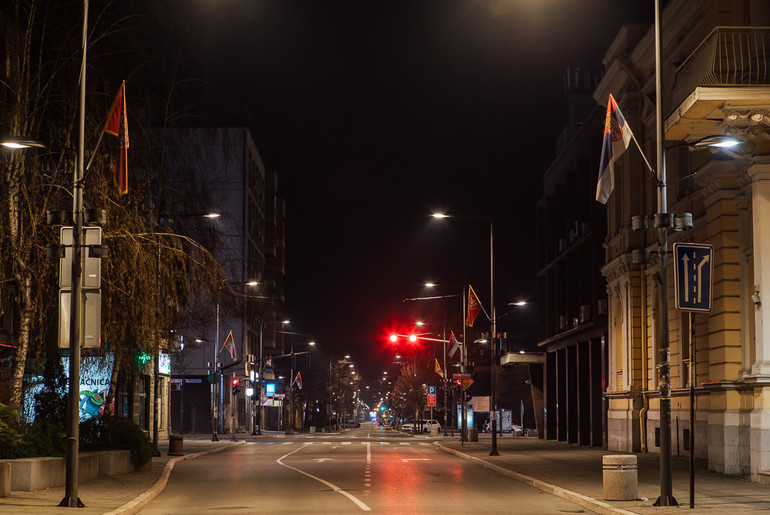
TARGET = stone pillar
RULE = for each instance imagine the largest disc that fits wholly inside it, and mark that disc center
(760, 200)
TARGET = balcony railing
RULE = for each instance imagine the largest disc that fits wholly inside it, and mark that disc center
(729, 56)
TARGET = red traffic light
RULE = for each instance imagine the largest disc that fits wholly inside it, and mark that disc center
(394, 338)
(413, 338)
(235, 382)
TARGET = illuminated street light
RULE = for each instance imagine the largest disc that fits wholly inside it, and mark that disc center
(493, 320)
(17, 142)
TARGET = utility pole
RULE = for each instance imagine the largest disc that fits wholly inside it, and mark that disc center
(71, 498)
(662, 222)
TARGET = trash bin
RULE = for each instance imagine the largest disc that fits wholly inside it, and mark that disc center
(175, 444)
(473, 434)
(620, 477)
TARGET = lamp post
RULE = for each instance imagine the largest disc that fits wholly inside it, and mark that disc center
(71, 498)
(290, 429)
(446, 372)
(493, 335)
(666, 489)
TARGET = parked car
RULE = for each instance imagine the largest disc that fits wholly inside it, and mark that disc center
(407, 426)
(427, 425)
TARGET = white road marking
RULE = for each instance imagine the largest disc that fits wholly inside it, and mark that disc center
(334, 487)
(321, 460)
(406, 460)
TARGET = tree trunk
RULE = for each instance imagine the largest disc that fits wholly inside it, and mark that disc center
(22, 344)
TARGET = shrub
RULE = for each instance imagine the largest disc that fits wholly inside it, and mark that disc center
(116, 433)
(11, 438)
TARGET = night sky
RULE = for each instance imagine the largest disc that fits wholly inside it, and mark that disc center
(376, 113)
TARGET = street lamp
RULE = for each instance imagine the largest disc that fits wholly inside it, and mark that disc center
(214, 366)
(311, 343)
(71, 498)
(493, 320)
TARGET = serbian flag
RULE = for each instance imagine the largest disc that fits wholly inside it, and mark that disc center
(617, 136)
(474, 306)
(120, 130)
(452, 345)
(230, 345)
(299, 380)
(438, 370)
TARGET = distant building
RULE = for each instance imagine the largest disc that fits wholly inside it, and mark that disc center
(716, 81)
(572, 303)
(225, 167)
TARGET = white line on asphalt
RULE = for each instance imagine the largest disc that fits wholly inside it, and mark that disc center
(368, 454)
(334, 487)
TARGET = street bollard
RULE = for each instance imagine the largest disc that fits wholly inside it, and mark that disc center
(175, 444)
(620, 477)
(5, 479)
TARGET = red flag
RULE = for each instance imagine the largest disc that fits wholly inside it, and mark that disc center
(113, 127)
(474, 306)
(452, 346)
(438, 370)
(230, 345)
(299, 380)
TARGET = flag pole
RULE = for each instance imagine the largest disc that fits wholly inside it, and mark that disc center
(649, 167)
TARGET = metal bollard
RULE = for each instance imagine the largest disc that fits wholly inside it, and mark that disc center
(620, 477)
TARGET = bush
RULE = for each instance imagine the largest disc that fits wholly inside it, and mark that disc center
(116, 433)
(11, 437)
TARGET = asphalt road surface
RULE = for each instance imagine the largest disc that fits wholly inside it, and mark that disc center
(366, 469)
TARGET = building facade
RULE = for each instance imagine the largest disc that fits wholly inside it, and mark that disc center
(231, 178)
(572, 318)
(715, 82)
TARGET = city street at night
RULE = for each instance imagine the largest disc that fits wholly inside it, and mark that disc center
(402, 256)
(360, 470)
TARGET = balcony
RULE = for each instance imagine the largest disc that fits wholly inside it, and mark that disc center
(723, 86)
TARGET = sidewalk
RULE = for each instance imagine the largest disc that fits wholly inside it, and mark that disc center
(124, 494)
(575, 473)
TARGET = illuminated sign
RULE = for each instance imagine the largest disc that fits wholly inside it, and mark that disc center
(270, 388)
(164, 364)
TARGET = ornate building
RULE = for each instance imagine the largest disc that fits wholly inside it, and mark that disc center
(716, 81)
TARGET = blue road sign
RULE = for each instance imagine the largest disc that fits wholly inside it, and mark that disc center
(467, 396)
(693, 276)
(431, 390)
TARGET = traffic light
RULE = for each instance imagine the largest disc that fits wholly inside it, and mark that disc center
(236, 385)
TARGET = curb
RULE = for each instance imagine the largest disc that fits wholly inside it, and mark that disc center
(132, 507)
(575, 497)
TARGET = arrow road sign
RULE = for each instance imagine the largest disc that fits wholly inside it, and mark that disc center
(693, 276)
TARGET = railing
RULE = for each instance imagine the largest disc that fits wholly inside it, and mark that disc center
(729, 56)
